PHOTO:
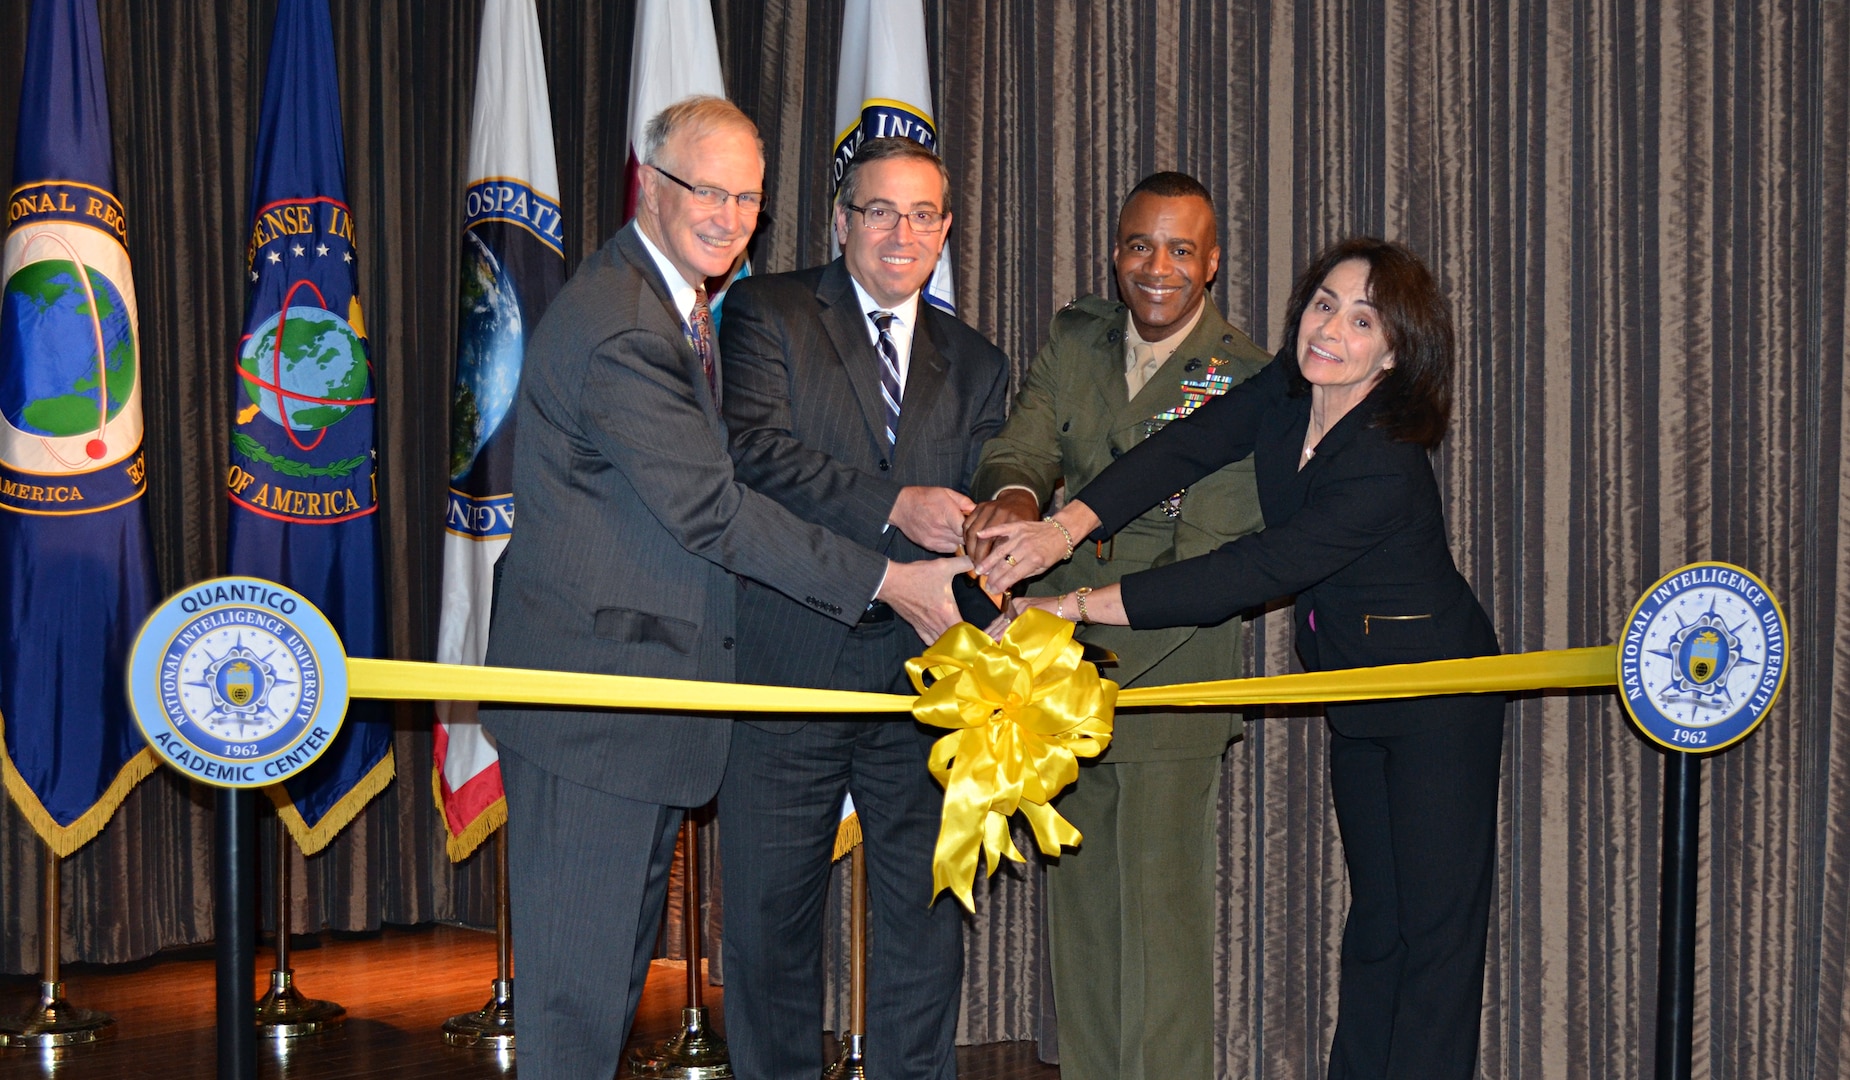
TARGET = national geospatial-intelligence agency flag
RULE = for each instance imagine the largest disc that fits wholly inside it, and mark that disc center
(885, 90)
(76, 569)
(513, 263)
(302, 478)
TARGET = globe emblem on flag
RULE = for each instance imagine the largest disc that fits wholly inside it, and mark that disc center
(54, 381)
(1704, 652)
(315, 378)
(488, 363)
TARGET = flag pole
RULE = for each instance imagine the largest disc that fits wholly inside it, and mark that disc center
(852, 1065)
(697, 1052)
(283, 1012)
(56, 1022)
(492, 1025)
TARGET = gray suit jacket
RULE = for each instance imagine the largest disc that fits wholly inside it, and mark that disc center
(803, 404)
(631, 525)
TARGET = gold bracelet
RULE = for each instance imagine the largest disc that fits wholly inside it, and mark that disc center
(1079, 598)
(1059, 606)
(1063, 532)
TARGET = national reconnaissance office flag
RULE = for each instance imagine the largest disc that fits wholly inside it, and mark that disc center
(76, 569)
(302, 481)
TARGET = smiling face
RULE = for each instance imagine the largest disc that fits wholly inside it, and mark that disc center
(1341, 339)
(702, 242)
(895, 263)
(1165, 256)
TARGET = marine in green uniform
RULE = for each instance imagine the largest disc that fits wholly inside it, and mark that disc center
(1131, 911)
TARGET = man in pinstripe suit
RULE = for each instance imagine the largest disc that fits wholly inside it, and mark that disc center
(632, 526)
(861, 408)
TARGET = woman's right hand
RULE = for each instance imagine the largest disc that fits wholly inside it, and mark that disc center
(1022, 549)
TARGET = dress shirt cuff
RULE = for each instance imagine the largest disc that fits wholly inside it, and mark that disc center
(887, 569)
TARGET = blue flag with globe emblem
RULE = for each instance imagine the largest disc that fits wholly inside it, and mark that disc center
(302, 481)
(76, 568)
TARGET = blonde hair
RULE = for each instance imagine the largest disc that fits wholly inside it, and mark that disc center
(695, 117)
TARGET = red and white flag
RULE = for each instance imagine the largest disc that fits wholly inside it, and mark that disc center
(513, 264)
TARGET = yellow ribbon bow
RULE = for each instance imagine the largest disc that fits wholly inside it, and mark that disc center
(1021, 711)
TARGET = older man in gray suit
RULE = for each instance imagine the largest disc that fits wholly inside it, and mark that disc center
(631, 528)
(860, 407)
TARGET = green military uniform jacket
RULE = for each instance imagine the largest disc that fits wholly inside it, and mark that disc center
(1071, 420)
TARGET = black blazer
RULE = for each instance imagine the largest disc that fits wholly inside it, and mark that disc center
(1357, 535)
(808, 429)
(631, 527)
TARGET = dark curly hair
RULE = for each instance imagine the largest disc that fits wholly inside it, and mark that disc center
(1414, 397)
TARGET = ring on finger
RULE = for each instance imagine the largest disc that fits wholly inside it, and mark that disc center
(1010, 559)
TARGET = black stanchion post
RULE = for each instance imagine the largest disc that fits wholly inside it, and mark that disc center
(235, 901)
(1676, 942)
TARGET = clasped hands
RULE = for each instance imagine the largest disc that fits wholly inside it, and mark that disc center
(1006, 541)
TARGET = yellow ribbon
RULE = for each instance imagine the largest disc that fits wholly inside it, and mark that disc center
(1021, 711)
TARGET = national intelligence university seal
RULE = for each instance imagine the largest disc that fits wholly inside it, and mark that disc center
(1703, 657)
(238, 682)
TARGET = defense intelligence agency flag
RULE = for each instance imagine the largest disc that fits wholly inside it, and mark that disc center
(76, 569)
(513, 263)
(885, 90)
(302, 478)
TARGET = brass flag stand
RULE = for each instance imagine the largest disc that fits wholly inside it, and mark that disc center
(56, 1022)
(697, 1052)
(493, 1024)
(283, 1012)
(852, 1065)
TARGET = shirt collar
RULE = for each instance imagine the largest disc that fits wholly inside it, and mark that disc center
(1167, 346)
(906, 311)
(680, 293)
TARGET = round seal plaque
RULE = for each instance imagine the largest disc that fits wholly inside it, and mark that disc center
(238, 682)
(1703, 657)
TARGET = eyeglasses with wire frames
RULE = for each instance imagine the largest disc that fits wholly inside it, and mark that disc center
(713, 198)
(886, 219)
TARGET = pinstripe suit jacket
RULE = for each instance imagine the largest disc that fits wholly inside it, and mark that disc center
(631, 526)
(803, 405)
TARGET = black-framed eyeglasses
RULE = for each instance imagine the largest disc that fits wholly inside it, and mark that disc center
(713, 198)
(886, 219)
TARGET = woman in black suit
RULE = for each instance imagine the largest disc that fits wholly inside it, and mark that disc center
(1339, 427)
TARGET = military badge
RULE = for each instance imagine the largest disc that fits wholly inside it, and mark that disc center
(1195, 393)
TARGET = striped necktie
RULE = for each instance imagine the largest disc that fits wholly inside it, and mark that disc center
(702, 337)
(890, 391)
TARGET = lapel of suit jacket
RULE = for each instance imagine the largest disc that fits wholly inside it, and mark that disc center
(630, 246)
(925, 375)
(1099, 368)
(1164, 390)
(1298, 483)
(847, 328)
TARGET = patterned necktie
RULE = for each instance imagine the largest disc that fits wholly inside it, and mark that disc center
(702, 337)
(890, 392)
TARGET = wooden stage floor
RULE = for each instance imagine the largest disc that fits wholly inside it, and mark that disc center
(398, 987)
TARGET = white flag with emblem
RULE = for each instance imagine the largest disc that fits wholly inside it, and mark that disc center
(885, 90)
(513, 264)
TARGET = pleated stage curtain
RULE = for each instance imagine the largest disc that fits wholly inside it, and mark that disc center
(1638, 210)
